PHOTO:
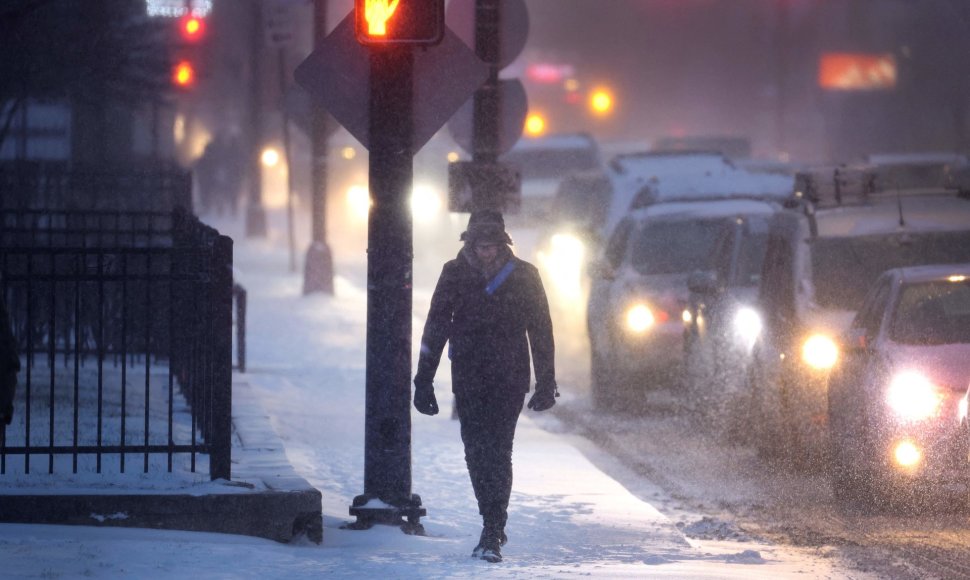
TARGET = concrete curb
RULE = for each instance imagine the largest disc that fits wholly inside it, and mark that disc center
(266, 497)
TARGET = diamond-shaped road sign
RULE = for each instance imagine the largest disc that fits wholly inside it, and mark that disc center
(337, 76)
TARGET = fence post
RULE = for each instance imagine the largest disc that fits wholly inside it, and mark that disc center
(221, 327)
(240, 294)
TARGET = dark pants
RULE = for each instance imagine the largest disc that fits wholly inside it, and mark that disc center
(487, 429)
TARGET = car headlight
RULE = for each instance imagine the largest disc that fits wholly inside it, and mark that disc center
(907, 454)
(912, 397)
(639, 318)
(820, 352)
(747, 325)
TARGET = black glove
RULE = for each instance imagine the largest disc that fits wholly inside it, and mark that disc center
(544, 398)
(424, 399)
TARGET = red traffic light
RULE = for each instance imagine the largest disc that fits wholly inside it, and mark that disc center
(192, 28)
(183, 75)
(388, 22)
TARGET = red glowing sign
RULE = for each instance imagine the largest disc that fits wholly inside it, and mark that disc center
(857, 72)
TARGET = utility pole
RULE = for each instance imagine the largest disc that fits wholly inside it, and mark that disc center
(782, 30)
(318, 267)
(255, 213)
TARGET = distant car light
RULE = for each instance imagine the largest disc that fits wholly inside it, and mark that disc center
(359, 201)
(686, 316)
(957, 278)
(639, 318)
(425, 203)
(270, 157)
(747, 325)
(563, 260)
(907, 454)
(912, 397)
(820, 352)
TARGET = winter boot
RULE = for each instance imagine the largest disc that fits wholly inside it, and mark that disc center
(491, 542)
(491, 536)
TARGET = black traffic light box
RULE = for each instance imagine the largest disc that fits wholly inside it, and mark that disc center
(399, 22)
(188, 51)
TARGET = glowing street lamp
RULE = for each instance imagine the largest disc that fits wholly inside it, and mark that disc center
(535, 125)
(601, 102)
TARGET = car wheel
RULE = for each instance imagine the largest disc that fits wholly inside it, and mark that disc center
(766, 406)
(698, 377)
(603, 386)
(852, 482)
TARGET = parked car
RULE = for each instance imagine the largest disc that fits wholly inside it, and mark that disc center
(894, 401)
(819, 264)
(639, 291)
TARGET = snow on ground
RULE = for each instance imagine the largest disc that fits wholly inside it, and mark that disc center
(568, 518)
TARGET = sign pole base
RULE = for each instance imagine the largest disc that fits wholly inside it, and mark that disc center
(371, 510)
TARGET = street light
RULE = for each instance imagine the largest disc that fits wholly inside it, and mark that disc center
(601, 102)
(535, 125)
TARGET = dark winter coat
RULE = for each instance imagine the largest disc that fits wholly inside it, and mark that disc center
(489, 335)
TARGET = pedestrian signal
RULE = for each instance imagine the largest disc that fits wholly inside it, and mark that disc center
(391, 22)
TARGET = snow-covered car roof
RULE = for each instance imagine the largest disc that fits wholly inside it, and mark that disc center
(933, 272)
(705, 209)
(648, 178)
(942, 212)
(917, 158)
(559, 141)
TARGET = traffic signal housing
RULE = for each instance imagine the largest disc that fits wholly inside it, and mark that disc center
(188, 51)
(399, 22)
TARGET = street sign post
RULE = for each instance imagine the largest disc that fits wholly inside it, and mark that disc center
(392, 99)
(499, 29)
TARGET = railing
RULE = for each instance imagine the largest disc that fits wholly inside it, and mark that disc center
(46, 186)
(124, 327)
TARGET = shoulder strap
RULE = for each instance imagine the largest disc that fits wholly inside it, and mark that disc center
(500, 277)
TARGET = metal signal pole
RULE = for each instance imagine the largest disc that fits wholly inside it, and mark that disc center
(387, 434)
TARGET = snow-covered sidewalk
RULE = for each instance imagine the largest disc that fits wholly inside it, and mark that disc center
(567, 517)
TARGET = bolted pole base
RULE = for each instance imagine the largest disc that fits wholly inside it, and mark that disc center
(318, 269)
(371, 510)
(255, 222)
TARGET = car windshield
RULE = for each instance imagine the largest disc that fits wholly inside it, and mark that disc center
(552, 162)
(671, 247)
(843, 269)
(751, 255)
(931, 313)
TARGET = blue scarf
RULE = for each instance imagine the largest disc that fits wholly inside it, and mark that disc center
(500, 277)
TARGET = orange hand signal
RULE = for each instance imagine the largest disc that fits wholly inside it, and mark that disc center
(377, 13)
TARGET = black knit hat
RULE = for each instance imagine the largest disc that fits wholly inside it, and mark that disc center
(486, 225)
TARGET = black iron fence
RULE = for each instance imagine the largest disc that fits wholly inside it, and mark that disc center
(46, 185)
(124, 322)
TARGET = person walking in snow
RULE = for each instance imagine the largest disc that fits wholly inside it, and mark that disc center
(490, 307)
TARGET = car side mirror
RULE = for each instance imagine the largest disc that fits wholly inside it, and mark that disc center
(602, 269)
(703, 283)
(855, 340)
